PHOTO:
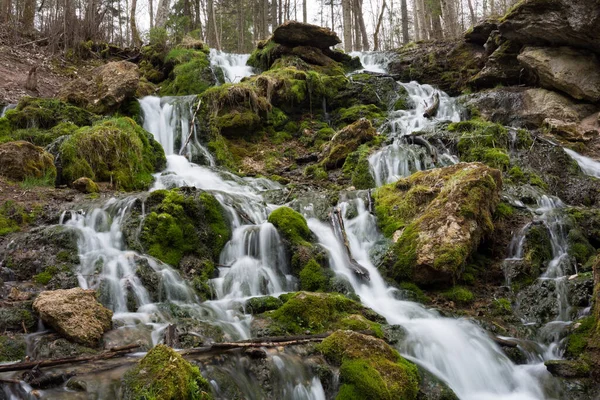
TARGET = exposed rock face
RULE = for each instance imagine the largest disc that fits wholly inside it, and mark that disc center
(294, 33)
(480, 33)
(74, 313)
(21, 159)
(575, 72)
(555, 22)
(112, 84)
(501, 67)
(437, 219)
(346, 141)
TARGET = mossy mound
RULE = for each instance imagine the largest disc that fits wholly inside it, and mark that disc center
(369, 368)
(437, 218)
(358, 170)
(22, 160)
(482, 141)
(190, 72)
(45, 114)
(164, 375)
(317, 313)
(347, 141)
(184, 222)
(12, 348)
(116, 150)
(291, 225)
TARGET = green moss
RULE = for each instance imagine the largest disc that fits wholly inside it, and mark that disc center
(44, 277)
(12, 217)
(12, 348)
(164, 374)
(503, 211)
(349, 115)
(538, 249)
(115, 150)
(313, 277)
(315, 172)
(459, 295)
(482, 141)
(191, 74)
(369, 368)
(291, 225)
(258, 305)
(46, 113)
(516, 174)
(357, 168)
(578, 340)
(502, 306)
(415, 292)
(579, 247)
(263, 56)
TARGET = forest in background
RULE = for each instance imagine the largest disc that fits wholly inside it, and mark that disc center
(237, 25)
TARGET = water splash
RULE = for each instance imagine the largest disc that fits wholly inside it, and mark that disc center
(7, 108)
(233, 65)
(372, 61)
(588, 165)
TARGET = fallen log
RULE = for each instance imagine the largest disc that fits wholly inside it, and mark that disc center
(432, 110)
(358, 269)
(111, 353)
(418, 140)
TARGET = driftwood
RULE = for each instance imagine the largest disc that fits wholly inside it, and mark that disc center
(358, 269)
(418, 140)
(432, 110)
(111, 353)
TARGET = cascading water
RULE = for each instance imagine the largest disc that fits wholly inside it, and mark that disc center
(588, 165)
(233, 65)
(6, 108)
(403, 157)
(372, 61)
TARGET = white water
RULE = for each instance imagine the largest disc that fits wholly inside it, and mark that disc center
(402, 157)
(6, 108)
(372, 61)
(233, 65)
(456, 350)
(588, 165)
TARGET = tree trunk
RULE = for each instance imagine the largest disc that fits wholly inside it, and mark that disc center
(361, 23)
(404, 16)
(274, 23)
(377, 27)
(28, 15)
(211, 34)
(332, 16)
(151, 11)
(135, 35)
(435, 12)
(417, 18)
(265, 19)
(347, 20)
(162, 13)
(304, 12)
(450, 18)
(472, 12)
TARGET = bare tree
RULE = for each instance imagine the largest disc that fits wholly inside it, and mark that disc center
(347, 18)
(135, 35)
(404, 16)
(274, 20)
(378, 27)
(28, 15)
(304, 12)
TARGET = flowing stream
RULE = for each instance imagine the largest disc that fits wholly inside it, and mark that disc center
(233, 65)
(588, 166)
(253, 263)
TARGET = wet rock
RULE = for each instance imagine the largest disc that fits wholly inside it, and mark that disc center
(194, 333)
(111, 85)
(164, 371)
(502, 67)
(346, 141)
(568, 368)
(48, 346)
(372, 88)
(575, 72)
(554, 22)
(17, 319)
(294, 33)
(432, 388)
(537, 303)
(12, 348)
(21, 159)
(258, 305)
(426, 216)
(480, 33)
(85, 185)
(75, 314)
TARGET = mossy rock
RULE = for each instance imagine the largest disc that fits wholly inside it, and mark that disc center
(371, 112)
(320, 312)
(291, 225)
(16, 318)
(164, 375)
(46, 113)
(437, 218)
(12, 348)
(22, 160)
(191, 73)
(347, 141)
(537, 252)
(482, 141)
(369, 367)
(184, 222)
(259, 305)
(117, 150)
(357, 168)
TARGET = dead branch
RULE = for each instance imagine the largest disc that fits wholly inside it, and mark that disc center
(432, 110)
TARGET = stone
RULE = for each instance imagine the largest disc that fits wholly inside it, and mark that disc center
(292, 33)
(501, 67)
(574, 72)
(346, 141)
(443, 215)
(75, 314)
(85, 185)
(554, 22)
(480, 33)
(568, 368)
(110, 86)
(21, 159)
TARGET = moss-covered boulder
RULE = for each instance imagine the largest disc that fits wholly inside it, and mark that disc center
(369, 368)
(164, 375)
(85, 185)
(17, 318)
(111, 84)
(482, 141)
(12, 348)
(436, 219)
(190, 72)
(347, 141)
(75, 314)
(316, 313)
(291, 225)
(117, 150)
(21, 160)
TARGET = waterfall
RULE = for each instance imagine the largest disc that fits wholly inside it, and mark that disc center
(589, 166)
(402, 157)
(372, 61)
(233, 65)
(456, 350)
(6, 108)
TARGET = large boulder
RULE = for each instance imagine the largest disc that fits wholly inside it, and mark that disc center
(292, 33)
(436, 219)
(571, 71)
(111, 84)
(75, 314)
(21, 159)
(554, 22)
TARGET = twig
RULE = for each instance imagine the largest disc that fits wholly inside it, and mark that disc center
(192, 130)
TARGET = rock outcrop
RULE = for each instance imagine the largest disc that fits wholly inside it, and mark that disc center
(75, 314)
(575, 72)
(292, 33)
(111, 84)
(437, 218)
(346, 141)
(21, 159)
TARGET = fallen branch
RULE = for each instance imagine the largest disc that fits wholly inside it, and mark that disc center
(432, 110)
(111, 353)
(192, 127)
(358, 269)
